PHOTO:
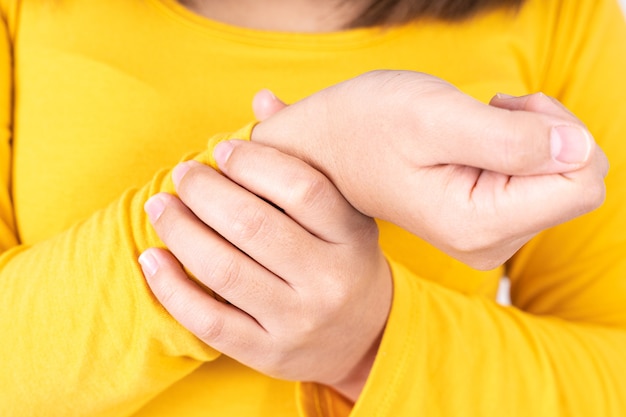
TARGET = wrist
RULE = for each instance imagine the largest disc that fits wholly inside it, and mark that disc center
(353, 383)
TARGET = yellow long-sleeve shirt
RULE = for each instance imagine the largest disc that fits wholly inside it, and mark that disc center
(98, 99)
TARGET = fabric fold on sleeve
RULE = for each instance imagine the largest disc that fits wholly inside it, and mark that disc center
(82, 333)
(447, 354)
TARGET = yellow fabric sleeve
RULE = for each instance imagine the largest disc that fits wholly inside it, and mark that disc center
(117, 347)
(7, 223)
(560, 350)
(81, 334)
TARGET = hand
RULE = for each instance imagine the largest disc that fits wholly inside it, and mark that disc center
(477, 181)
(308, 289)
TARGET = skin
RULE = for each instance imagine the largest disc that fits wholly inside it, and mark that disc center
(308, 287)
(288, 317)
(300, 283)
(495, 175)
(281, 15)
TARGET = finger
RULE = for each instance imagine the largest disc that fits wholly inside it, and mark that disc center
(265, 104)
(544, 200)
(537, 102)
(508, 211)
(214, 261)
(510, 142)
(304, 193)
(219, 325)
(257, 228)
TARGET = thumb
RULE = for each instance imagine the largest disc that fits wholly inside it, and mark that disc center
(569, 147)
(265, 104)
(516, 136)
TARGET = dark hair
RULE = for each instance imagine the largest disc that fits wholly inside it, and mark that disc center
(390, 12)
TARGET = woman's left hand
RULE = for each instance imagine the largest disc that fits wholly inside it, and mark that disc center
(308, 287)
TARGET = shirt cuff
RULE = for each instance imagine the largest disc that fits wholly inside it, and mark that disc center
(398, 352)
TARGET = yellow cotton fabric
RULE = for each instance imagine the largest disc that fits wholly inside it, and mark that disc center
(99, 99)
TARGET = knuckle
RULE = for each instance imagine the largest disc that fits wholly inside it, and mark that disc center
(308, 324)
(210, 327)
(308, 313)
(223, 272)
(249, 222)
(308, 190)
(340, 297)
(338, 293)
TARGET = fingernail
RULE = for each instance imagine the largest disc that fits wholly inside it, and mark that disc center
(269, 92)
(504, 96)
(570, 144)
(148, 263)
(179, 171)
(154, 207)
(222, 152)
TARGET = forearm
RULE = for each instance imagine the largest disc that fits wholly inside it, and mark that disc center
(82, 333)
(449, 354)
(411, 149)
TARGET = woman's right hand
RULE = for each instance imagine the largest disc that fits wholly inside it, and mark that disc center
(477, 181)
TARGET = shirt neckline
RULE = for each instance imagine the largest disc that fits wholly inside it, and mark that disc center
(350, 38)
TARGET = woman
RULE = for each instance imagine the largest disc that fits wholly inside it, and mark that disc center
(142, 83)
